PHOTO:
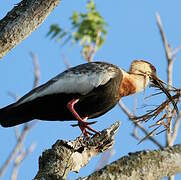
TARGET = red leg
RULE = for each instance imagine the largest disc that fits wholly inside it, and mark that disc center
(82, 122)
(82, 128)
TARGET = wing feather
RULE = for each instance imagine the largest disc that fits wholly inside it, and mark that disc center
(80, 79)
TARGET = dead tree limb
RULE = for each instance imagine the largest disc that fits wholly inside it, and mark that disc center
(63, 157)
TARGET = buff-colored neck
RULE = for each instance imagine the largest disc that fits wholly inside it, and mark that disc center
(140, 81)
(132, 83)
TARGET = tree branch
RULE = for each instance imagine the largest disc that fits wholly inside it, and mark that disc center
(137, 124)
(150, 165)
(19, 159)
(36, 69)
(22, 20)
(14, 151)
(64, 156)
(164, 40)
(26, 127)
(170, 55)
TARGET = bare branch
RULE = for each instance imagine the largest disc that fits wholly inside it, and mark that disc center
(18, 148)
(164, 40)
(22, 20)
(135, 133)
(175, 128)
(36, 69)
(93, 48)
(22, 153)
(126, 110)
(14, 151)
(137, 124)
(64, 156)
(90, 49)
(19, 159)
(175, 51)
(16, 132)
(15, 98)
(170, 61)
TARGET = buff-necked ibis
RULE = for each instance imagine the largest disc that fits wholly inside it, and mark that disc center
(85, 91)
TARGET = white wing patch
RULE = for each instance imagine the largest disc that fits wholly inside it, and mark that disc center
(82, 83)
(70, 82)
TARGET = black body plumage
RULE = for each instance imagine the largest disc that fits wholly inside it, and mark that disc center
(95, 84)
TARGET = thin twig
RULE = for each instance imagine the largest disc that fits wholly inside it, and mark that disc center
(16, 132)
(164, 40)
(14, 151)
(170, 56)
(175, 128)
(19, 159)
(175, 51)
(93, 48)
(26, 127)
(22, 153)
(36, 69)
(130, 116)
(169, 67)
(15, 98)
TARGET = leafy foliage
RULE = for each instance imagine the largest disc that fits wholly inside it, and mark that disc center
(88, 29)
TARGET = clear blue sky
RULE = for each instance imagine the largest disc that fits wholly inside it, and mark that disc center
(132, 34)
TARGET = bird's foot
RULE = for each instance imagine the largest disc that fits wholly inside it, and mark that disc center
(83, 125)
(88, 123)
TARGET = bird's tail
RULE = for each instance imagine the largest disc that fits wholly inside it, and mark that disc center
(13, 115)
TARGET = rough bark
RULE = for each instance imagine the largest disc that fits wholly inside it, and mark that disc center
(22, 20)
(149, 165)
(63, 157)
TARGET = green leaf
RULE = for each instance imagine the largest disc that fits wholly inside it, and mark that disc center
(87, 29)
(54, 30)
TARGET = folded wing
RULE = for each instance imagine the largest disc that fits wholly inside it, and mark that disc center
(81, 79)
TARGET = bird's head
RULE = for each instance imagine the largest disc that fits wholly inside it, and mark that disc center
(141, 67)
(141, 71)
(147, 73)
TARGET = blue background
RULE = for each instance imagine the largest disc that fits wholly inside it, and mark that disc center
(132, 34)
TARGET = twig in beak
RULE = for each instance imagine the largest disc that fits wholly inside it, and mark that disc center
(158, 83)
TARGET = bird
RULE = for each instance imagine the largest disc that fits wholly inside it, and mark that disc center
(79, 93)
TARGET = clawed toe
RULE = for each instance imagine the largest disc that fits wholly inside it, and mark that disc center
(85, 126)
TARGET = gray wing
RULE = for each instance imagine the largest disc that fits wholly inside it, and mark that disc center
(80, 79)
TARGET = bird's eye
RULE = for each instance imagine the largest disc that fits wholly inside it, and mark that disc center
(153, 68)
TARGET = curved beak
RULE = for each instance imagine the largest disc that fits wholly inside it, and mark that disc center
(156, 82)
